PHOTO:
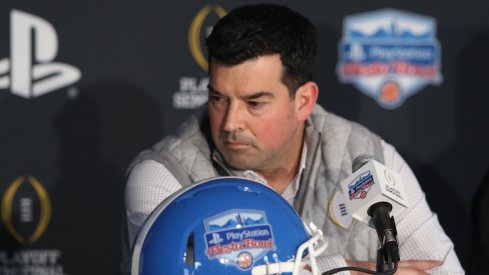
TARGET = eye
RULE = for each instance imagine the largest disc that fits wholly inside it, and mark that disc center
(256, 104)
(214, 98)
(218, 101)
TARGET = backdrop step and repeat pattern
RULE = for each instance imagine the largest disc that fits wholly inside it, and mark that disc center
(86, 85)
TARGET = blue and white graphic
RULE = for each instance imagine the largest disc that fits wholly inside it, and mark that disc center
(389, 55)
(359, 187)
(238, 237)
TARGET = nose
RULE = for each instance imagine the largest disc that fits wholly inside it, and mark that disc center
(234, 118)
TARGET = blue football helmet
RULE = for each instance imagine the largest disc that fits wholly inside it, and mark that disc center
(226, 226)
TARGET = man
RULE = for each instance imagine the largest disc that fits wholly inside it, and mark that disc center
(263, 123)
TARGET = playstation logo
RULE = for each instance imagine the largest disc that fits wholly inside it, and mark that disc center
(216, 239)
(30, 71)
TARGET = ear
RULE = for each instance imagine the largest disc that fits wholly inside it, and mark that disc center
(305, 99)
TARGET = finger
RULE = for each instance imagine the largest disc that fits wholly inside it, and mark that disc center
(410, 271)
(419, 264)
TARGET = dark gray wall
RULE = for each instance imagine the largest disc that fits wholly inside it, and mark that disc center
(63, 154)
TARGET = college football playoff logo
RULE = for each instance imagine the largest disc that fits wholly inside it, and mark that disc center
(18, 209)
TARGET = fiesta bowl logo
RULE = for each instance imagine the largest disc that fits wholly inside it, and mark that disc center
(33, 47)
(24, 202)
(238, 237)
(360, 186)
(389, 55)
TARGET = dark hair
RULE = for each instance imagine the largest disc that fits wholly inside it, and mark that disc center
(252, 31)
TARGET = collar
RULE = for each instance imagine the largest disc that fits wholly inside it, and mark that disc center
(293, 186)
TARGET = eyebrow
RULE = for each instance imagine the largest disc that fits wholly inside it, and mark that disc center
(246, 97)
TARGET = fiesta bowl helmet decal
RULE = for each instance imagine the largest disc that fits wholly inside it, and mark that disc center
(226, 226)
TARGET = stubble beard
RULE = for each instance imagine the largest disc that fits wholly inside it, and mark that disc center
(248, 158)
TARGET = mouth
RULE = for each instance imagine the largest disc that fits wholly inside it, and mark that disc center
(236, 144)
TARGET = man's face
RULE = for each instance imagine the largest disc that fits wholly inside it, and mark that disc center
(253, 119)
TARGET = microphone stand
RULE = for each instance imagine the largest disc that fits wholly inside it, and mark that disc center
(388, 253)
(385, 264)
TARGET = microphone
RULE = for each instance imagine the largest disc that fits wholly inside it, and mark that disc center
(373, 193)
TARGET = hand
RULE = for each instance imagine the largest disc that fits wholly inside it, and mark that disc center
(410, 267)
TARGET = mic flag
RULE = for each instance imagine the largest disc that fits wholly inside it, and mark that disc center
(371, 183)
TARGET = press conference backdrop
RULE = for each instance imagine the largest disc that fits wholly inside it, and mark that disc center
(86, 85)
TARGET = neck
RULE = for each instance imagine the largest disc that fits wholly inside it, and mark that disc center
(280, 179)
(280, 176)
